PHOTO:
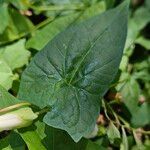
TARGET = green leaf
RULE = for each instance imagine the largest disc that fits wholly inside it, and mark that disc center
(130, 94)
(110, 3)
(141, 17)
(4, 144)
(18, 26)
(75, 70)
(6, 99)
(54, 139)
(139, 20)
(141, 117)
(4, 17)
(57, 139)
(113, 133)
(45, 34)
(93, 146)
(137, 115)
(32, 139)
(147, 4)
(93, 10)
(20, 4)
(15, 55)
(6, 75)
(144, 42)
(12, 142)
(124, 63)
(20, 23)
(48, 32)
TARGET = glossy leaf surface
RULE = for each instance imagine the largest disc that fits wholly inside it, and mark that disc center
(74, 71)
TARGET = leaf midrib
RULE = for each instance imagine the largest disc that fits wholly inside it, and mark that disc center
(90, 48)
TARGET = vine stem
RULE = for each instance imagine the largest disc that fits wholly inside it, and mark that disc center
(59, 7)
(118, 82)
(4, 110)
(45, 110)
(120, 119)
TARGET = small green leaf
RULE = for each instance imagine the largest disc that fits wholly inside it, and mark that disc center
(6, 75)
(137, 115)
(20, 4)
(75, 70)
(144, 42)
(139, 20)
(93, 146)
(130, 94)
(147, 4)
(141, 117)
(18, 25)
(12, 142)
(110, 3)
(4, 17)
(124, 63)
(6, 99)
(15, 55)
(32, 139)
(113, 133)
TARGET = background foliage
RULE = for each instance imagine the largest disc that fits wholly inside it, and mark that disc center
(27, 26)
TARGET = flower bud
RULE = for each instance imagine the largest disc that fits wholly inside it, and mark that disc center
(17, 119)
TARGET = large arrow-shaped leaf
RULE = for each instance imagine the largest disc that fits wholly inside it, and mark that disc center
(75, 69)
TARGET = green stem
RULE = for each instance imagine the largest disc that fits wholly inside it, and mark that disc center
(117, 117)
(12, 107)
(59, 7)
(105, 110)
(118, 83)
(45, 110)
(113, 102)
(138, 141)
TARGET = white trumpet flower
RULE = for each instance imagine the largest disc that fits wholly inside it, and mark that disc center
(17, 119)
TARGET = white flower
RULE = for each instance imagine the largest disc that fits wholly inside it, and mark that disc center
(17, 119)
(9, 121)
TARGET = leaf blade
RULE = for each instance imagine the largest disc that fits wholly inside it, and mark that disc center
(75, 71)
